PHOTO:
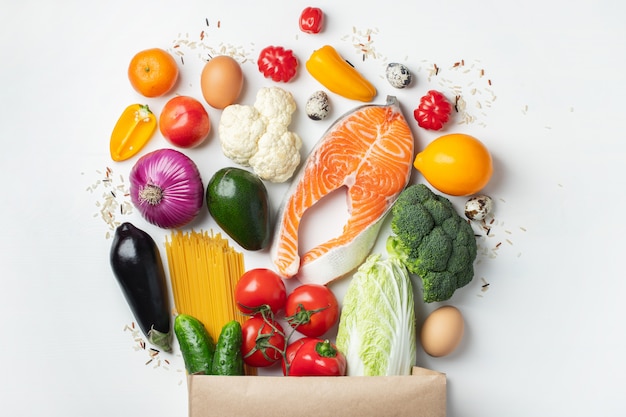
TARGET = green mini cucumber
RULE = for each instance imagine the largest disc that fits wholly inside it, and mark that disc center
(228, 359)
(196, 345)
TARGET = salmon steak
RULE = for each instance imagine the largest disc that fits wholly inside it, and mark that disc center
(369, 151)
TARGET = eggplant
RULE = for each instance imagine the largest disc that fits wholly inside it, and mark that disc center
(138, 267)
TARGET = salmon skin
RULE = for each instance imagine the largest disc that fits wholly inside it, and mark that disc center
(369, 151)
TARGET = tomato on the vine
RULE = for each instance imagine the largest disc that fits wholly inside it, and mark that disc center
(312, 309)
(260, 289)
(263, 341)
(318, 358)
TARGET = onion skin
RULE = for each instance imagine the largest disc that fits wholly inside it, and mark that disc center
(166, 188)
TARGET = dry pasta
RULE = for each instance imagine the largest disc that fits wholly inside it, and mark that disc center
(204, 270)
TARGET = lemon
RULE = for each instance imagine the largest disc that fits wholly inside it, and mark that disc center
(455, 164)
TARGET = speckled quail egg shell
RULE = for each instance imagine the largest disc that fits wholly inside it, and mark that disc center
(478, 207)
(398, 75)
(318, 106)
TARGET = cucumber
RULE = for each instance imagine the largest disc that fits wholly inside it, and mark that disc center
(196, 344)
(228, 359)
(238, 201)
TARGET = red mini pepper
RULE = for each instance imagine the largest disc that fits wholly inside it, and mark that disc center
(311, 20)
(277, 63)
(318, 357)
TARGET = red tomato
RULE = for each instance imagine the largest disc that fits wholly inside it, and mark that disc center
(263, 342)
(312, 309)
(291, 350)
(311, 20)
(184, 122)
(260, 289)
(318, 358)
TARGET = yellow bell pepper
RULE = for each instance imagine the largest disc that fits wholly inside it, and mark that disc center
(338, 75)
(132, 131)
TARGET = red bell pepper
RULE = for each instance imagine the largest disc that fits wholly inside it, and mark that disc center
(317, 357)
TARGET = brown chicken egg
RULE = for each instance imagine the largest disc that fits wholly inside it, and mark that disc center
(442, 331)
(221, 81)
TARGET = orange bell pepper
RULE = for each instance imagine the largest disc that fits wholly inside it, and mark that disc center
(338, 75)
(132, 131)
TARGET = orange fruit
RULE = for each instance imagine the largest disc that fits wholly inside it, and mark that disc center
(456, 164)
(153, 72)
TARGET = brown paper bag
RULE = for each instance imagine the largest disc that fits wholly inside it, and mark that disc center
(419, 395)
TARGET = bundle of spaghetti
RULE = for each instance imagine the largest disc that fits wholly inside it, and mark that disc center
(204, 270)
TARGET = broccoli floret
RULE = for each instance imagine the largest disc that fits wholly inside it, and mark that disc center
(432, 241)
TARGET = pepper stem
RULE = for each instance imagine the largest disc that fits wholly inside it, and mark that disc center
(325, 349)
(151, 194)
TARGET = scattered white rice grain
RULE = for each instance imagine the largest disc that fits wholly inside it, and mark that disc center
(114, 200)
(485, 286)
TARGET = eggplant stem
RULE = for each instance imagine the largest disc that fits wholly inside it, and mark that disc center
(160, 339)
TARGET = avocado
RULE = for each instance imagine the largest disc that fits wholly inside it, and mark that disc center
(238, 201)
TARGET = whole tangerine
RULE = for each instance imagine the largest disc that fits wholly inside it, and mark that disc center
(455, 164)
(153, 72)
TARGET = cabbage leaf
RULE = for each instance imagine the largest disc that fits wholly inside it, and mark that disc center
(377, 324)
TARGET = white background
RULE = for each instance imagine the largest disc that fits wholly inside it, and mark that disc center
(546, 338)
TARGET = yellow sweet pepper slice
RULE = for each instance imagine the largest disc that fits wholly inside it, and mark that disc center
(132, 131)
(338, 75)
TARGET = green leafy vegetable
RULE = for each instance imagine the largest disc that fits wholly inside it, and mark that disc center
(377, 323)
(432, 241)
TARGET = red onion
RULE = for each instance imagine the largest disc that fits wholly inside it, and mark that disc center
(166, 188)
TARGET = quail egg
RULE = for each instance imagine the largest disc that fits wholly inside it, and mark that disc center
(318, 106)
(478, 207)
(398, 75)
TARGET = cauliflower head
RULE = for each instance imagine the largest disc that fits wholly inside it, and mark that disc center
(258, 136)
(277, 155)
(239, 130)
(275, 105)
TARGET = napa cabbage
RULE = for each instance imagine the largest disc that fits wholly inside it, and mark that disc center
(377, 323)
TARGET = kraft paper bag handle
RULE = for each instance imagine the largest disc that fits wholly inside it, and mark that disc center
(419, 395)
